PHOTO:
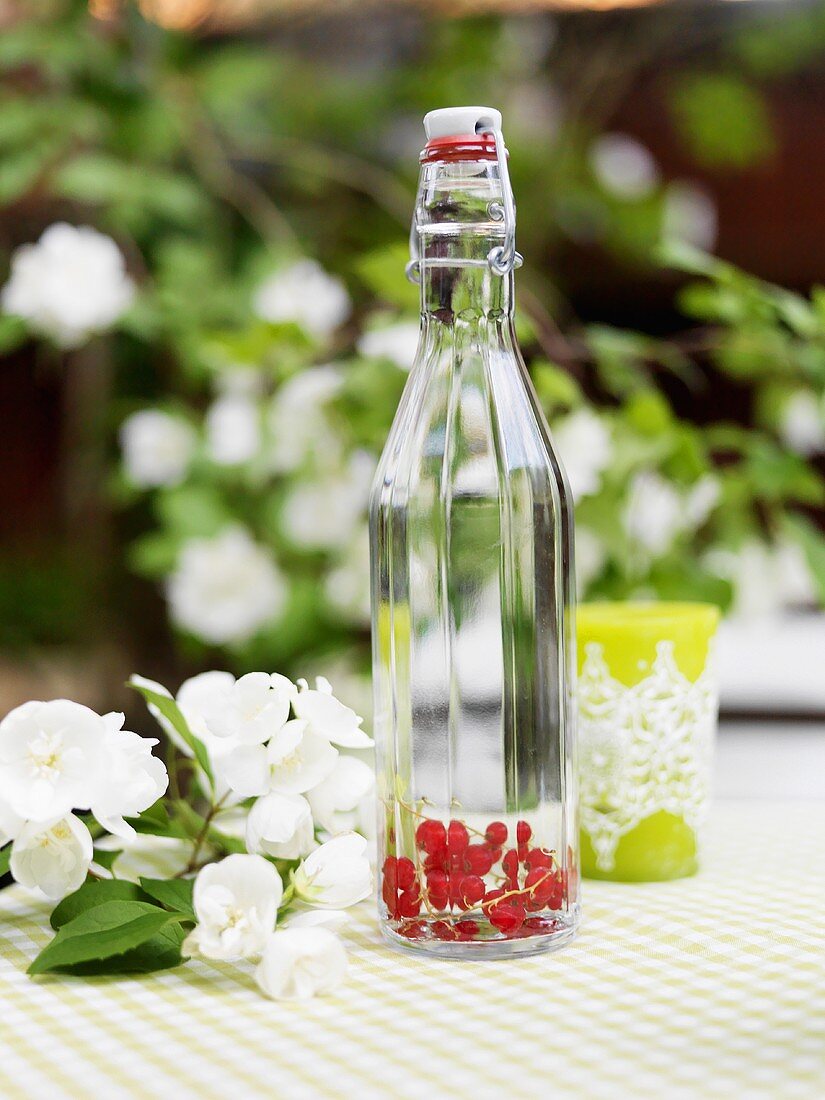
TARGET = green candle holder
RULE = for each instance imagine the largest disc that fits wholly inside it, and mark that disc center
(647, 709)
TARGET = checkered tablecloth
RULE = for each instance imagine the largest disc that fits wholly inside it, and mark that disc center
(711, 987)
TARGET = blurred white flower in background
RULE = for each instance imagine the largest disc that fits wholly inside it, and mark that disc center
(239, 380)
(653, 514)
(590, 557)
(298, 423)
(69, 285)
(623, 166)
(301, 962)
(157, 448)
(225, 588)
(53, 857)
(585, 448)
(767, 579)
(306, 295)
(689, 215)
(233, 430)
(323, 514)
(802, 423)
(347, 584)
(236, 902)
(398, 343)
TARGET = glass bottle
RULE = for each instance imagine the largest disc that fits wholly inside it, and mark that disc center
(472, 594)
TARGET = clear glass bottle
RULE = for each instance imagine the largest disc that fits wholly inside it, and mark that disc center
(472, 594)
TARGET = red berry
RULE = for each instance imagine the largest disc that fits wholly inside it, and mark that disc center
(479, 859)
(409, 903)
(495, 855)
(540, 885)
(389, 896)
(507, 916)
(472, 889)
(413, 931)
(496, 834)
(457, 838)
(522, 853)
(442, 930)
(389, 870)
(437, 862)
(492, 897)
(431, 836)
(537, 857)
(466, 929)
(510, 863)
(438, 901)
(438, 880)
(405, 873)
(523, 832)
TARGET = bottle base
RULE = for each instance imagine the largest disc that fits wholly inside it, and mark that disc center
(444, 940)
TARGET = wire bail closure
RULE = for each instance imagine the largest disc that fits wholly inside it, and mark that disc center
(503, 258)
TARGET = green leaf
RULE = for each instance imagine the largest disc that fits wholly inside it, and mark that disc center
(111, 928)
(383, 272)
(161, 952)
(173, 893)
(92, 893)
(5, 859)
(172, 713)
(155, 821)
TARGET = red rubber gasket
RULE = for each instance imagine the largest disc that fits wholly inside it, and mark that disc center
(459, 147)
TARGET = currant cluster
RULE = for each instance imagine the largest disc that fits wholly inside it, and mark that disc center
(453, 872)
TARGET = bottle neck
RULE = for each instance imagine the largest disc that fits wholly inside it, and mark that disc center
(458, 222)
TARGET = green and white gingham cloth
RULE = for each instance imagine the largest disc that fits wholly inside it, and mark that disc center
(710, 987)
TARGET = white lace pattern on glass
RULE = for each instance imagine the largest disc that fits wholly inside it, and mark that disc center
(643, 748)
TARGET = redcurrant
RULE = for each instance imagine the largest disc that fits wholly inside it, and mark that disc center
(496, 834)
(523, 832)
(472, 889)
(431, 836)
(457, 838)
(405, 873)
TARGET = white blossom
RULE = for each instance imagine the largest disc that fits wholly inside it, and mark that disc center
(236, 902)
(52, 856)
(157, 448)
(328, 717)
(323, 514)
(336, 875)
(233, 430)
(10, 823)
(766, 578)
(280, 825)
(252, 710)
(802, 423)
(298, 423)
(701, 500)
(398, 343)
(50, 758)
(336, 801)
(689, 215)
(132, 778)
(623, 166)
(333, 919)
(306, 295)
(585, 448)
(294, 761)
(226, 588)
(654, 513)
(299, 963)
(69, 285)
(347, 584)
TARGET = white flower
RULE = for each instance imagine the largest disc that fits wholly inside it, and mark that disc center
(294, 761)
(337, 799)
(236, 902)
(225, 588)
(299, 424)
(280, 825)
(689, 215)
(53, 856)
(233, 430)
(72, 283)
(590, 557)
(157, 448)
(328, 717)
(766, 579)
(347, 584)
(802, 425)
(623, 166)
(398, 343)
(586, 450)
(298, 963)
(132, 778)
(701, 500)
(10, 824)
(323, 514)
(252, 710)
(654, 513)
(333, 919)
(306, 294)
(50, 758)
(336, 875)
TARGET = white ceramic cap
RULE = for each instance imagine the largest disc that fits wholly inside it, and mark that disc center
(451, 121)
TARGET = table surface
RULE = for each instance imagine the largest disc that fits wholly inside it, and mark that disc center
(712, 986)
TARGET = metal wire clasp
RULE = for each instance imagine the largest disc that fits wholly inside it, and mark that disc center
(503, 258)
